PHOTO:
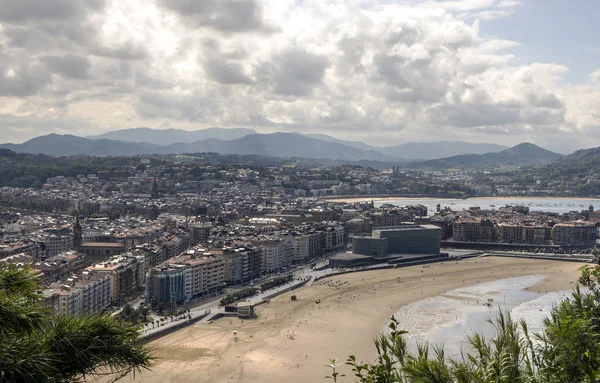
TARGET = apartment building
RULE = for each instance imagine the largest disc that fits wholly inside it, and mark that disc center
(200, 232)
(575, 234)
(84, 293)
(52, 245)
(242, 264)
(126, 274)
(301, 248)
(275, 254)
(335, 237)
(191, 275)
(510, 233)
(474, 231)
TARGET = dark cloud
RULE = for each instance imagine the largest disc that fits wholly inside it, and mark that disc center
(69, 65)
(22, 11)
(545, 100)
(182, 107)
(231, 16)
(20, 78)
(390, 69)
(497, 115)
(468, 115)
(294, 72)
(227, 73)
(127, 51)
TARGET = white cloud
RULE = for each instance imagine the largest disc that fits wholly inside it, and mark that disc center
(410, 70)
(509, 4)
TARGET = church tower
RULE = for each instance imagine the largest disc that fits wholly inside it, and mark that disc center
(154, 190)
(77, 235)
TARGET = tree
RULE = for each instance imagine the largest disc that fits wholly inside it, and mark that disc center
(40, 347)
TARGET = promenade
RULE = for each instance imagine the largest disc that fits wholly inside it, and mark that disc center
(204, 312)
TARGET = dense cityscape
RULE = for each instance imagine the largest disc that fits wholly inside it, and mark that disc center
(267, 191)
(170, 233)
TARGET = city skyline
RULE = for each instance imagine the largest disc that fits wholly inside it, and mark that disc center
(375, 71)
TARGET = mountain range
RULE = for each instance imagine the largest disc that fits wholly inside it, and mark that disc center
(247, 141)
(522, 154)
(172, 136)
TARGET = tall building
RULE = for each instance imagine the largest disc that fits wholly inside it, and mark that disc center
(126, 274)
(301, 248)
(201, 232)
(275, 254)
(165, 285)
(77, 234)
(335, 237)
(154, 190)
(191, 275)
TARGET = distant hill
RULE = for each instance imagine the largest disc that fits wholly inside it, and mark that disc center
(352, 144)
(274, 145)
(278, 145)
(441, 149)
(522, 154)
(171, 136)
(281, 145)
(69, 145)
(581, 164)
(419, 150)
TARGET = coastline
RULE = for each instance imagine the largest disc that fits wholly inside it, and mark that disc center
(293, 340)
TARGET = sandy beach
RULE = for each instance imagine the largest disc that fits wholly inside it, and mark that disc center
(291, 341)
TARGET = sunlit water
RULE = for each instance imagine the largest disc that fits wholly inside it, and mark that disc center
(448, 319)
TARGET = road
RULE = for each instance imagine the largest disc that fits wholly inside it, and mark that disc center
(213, 306)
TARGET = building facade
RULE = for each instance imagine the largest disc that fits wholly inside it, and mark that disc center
(575, 234)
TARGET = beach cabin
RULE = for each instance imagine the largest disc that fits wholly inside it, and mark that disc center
(245, 310)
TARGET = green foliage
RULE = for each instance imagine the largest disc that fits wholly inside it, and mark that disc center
(237, 295)
(567, 350)
(32, 170)
(276, 282)
(40, 347)
(133, 316)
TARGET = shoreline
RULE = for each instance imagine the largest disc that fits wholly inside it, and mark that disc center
(293, 340)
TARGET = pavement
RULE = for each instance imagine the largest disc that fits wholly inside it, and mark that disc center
(213, 306)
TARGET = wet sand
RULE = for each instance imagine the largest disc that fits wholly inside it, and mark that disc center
(291, 341)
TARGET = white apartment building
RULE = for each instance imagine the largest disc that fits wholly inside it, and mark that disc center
(82, 294)
(274, 255)
(335, 237)
(204, 273)
(301, 248)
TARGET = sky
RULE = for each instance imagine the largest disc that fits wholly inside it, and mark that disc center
(379, 71)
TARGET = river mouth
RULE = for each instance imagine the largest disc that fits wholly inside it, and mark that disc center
(448, 318)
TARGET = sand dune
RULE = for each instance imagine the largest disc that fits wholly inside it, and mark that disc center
(291, 341)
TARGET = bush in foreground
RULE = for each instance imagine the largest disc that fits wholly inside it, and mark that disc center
(40, 347)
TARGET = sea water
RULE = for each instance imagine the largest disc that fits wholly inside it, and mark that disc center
(447, 319)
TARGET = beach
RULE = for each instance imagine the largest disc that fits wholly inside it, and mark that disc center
(291, 341)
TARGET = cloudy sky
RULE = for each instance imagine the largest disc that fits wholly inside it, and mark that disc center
(379, 71)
